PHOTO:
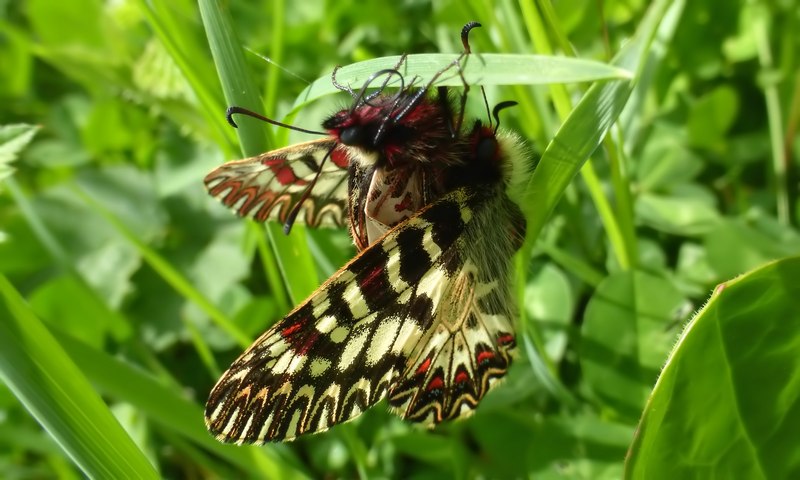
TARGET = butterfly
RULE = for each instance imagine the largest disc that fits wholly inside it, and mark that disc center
(423, 315)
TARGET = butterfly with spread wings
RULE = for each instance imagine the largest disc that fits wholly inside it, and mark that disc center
(422, 316)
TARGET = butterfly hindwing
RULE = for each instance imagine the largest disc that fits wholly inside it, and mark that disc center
(267, 186)
(389, 323)
(466, 349)
(467, 338)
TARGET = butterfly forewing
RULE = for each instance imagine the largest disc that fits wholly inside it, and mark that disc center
(385, 324)
(267, 187)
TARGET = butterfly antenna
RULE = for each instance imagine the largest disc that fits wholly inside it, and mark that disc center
(496, 112)
(339, 86)
(244, 111)
(395, 71)
(362, 98)
(419, 95)
(467, 50)
(348, 89)
(486, 104)
(465, 35)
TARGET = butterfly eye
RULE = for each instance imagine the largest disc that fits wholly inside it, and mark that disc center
(486, 149)
(352, 136)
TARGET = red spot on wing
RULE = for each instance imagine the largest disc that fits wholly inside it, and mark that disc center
(424, 367)
(283, 173)
(301, 335)
(435, 384)
(291, 329)
(374, 282)
(505, 339)
(371, 277)
(462, 377)
(484, 356)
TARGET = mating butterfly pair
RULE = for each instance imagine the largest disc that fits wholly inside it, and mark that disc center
(423, 314)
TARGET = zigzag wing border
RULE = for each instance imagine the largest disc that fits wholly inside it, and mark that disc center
(267, 186)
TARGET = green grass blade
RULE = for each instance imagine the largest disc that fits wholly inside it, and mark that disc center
(775, 117)
(237, 84)
(584, 129)
(292, 254)
(484, 69)
(177, 41)
(59, 396)
(170, 410)
(578, 137)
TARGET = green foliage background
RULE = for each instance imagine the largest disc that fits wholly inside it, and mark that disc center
(125, 291)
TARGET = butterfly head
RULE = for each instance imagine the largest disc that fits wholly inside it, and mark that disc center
(392, 130)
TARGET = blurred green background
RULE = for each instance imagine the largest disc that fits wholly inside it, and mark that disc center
(147, 289)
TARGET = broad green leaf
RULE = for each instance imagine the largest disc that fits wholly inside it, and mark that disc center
(549, 301)
(678, 214)
(666, 160)
(727, 404)
(628, 329)
(434, 450)
(551, 447)
(711, 117)
(694, 274)
(66, 303)
(736, 245)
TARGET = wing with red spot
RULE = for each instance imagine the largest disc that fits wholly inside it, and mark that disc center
(268, 186)
(466, 350)
(418, 317)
